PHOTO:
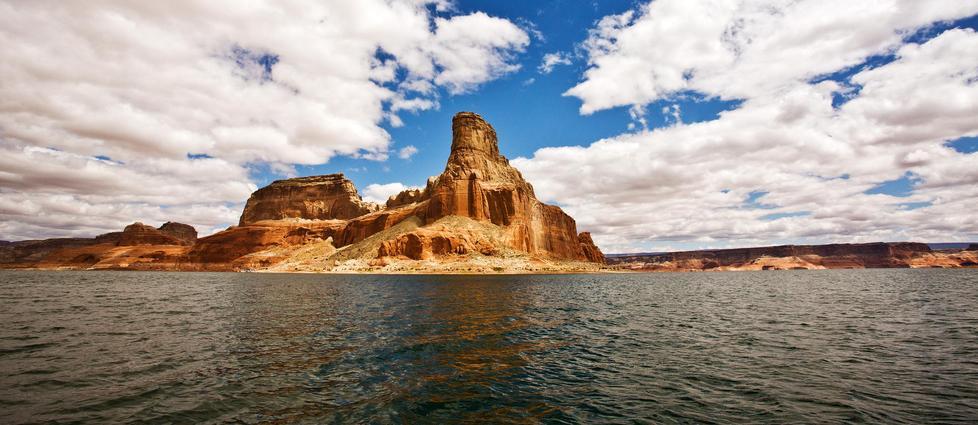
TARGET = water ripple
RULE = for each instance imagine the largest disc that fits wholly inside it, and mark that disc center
(862, 346)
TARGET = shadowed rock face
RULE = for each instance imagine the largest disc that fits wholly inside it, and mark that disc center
(183, 232)
(326, 197)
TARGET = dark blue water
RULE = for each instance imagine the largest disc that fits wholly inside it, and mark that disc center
(872, 346)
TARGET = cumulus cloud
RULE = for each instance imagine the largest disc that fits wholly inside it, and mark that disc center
(380, 192)
(550, 60)
(741, 49)
(146, 106)
(791, 163)
(407, 152)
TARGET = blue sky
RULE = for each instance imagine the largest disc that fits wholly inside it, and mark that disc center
(526, 107)
(676, 124)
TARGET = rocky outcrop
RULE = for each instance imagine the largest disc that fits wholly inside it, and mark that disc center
(591, 251)
(141, 234)
(479, 183)
(183, 232)
(238, 247)
(329, 197)
(831, 256)
(28, 252)
(138, 246)
(406, 197)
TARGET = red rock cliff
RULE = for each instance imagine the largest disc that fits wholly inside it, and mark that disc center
(479, 183)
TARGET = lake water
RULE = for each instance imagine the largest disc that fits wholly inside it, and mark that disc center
(878, 346)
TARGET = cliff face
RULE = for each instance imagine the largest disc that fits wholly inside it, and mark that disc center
(326, 197)
(479, 183)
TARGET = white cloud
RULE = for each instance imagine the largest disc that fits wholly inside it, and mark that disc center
(380, 192)
(407, 152)
(741, 49)
(243, 84)
(550, 60)
(687, 185)
(474, 48)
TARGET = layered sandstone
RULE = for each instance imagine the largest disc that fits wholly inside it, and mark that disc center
(479, 183)
(831, 256)
(141, 234)
(326, 197)
(138, 246)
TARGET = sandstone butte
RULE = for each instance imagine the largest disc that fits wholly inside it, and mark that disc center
(478, 216)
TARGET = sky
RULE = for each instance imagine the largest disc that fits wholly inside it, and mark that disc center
(663, 125)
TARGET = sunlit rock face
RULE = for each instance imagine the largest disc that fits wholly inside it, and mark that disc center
(479, 183)
(329, 197)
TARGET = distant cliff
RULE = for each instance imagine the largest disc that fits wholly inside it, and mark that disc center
(831, 256)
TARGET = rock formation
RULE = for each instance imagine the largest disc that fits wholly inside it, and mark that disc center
(141, 234)
(326, 197)
(183, 232)
(478, 214)
(138, 246)
(406, 197)
(831, 256)
(479, 183)
(591, 251)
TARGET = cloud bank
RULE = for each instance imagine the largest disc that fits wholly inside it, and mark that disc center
(838, 98)
(115, 111)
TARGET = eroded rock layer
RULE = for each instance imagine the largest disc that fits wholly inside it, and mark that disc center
(479, 183)
(831, 256)
(326, 197)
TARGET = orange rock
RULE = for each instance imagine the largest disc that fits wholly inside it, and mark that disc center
(326, 197)
(406, 197)
(423, 244)
(222, 250)
(591, 251)
(479, 183)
